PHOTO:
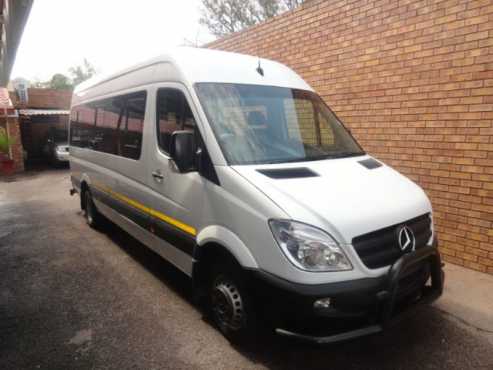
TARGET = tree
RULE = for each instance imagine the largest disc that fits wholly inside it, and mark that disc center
(60, 82)
(223, 17)
(291, 4)
(82, 72)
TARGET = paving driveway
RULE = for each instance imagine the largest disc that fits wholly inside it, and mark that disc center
(71, 297)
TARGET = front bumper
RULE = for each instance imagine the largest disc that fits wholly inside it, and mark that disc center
(357, 308)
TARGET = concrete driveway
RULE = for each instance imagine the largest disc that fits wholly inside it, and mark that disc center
(71, 297)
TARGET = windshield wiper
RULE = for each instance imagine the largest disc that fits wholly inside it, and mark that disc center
(316, 158)
(344, 154)
(288, 160)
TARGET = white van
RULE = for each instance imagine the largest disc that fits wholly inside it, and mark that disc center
(234, 170)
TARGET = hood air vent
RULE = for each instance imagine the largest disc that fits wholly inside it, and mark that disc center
(370, 163)
(288, 173)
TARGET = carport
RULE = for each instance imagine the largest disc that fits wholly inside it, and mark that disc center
(39, 129)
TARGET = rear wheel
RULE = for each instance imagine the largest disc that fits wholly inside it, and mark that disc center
(93, 218)
(230, 304)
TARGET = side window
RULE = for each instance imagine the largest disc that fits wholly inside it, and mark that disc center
(112, 125)
(74, 127)
(131, 131)
(108, 117)
(99, 134)
(173, 114)
(82, 126)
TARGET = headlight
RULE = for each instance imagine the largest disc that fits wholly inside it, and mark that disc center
(308, 247)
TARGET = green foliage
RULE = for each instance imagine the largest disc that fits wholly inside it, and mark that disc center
(5, 141)
(223, 17)
(60, 82)
(82, 73)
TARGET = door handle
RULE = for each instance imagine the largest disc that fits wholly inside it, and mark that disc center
(158, 176)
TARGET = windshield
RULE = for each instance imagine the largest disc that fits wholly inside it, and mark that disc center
(264, 124)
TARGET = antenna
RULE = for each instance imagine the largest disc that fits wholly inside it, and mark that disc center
(259, 68)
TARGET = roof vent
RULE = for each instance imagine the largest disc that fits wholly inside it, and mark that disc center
(370, 163)
(288, 173)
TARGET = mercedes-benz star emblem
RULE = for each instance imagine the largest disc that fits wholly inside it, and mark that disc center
(407, 242)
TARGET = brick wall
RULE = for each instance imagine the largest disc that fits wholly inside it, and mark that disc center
(413, 79)
(44, 99)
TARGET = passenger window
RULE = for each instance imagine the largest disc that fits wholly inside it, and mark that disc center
(112, 125)
(131, 137)
(82, 126)
(108, 118)
(173, 114)
(75, 139)
(98, 138)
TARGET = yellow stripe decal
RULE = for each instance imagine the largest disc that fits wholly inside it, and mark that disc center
(152, 212)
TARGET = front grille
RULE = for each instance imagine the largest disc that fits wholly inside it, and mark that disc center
(381, 247)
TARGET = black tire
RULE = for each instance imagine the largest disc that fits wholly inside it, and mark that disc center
(230, 304)
(93, 217)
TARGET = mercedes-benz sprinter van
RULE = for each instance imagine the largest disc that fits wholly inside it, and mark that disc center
(234, 170)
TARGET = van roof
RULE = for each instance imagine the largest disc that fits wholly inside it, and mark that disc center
(193, 65)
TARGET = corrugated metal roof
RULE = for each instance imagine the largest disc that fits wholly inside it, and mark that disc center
(42, 112)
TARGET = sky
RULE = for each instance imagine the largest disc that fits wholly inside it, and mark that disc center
(110, 34)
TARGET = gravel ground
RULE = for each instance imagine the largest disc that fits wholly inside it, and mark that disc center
(72, 297)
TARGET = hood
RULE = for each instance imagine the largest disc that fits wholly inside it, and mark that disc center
(347, 196)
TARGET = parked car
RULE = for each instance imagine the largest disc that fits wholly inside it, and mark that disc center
(56, 149)
(233, 169)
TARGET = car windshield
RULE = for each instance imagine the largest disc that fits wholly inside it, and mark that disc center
(264, 124)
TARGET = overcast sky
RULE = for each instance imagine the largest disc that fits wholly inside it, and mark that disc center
(110, 33)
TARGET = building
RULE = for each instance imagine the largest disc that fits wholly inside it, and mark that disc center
(13, 18)
(43, 114)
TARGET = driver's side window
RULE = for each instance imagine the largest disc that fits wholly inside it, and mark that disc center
(173, 113)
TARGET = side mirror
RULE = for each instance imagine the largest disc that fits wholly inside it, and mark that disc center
(182, 150)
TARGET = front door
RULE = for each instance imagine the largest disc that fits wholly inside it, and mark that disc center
(176, 198)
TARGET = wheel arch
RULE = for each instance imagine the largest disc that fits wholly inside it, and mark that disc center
(216, 235)
(213, 243)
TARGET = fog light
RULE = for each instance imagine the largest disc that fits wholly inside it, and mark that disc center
(322, 303)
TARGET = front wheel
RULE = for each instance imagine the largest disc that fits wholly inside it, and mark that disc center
(231, 305)
(93, 218)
